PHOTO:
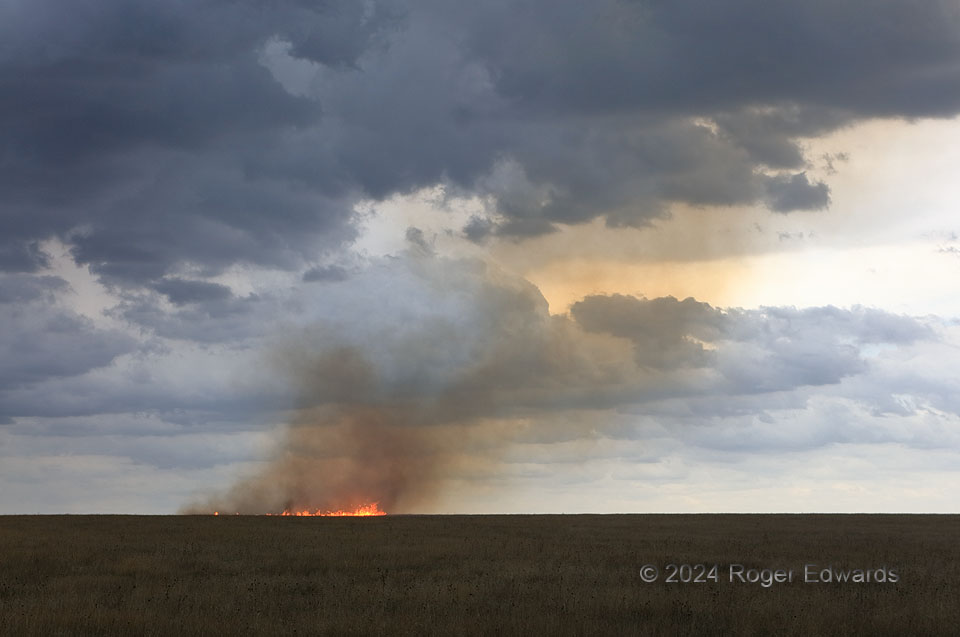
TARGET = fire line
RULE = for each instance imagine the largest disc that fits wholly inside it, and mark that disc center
(362, 511)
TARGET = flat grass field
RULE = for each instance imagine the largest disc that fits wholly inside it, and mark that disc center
(474, 575)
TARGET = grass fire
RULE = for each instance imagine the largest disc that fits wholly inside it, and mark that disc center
(362, 511)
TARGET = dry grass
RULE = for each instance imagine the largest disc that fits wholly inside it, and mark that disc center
(465, 575)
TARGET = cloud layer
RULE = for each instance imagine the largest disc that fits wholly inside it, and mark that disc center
(157, 136)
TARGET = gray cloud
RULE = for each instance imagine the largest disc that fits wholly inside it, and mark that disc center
(183, 291)
(24, 288)
(755, 350)
(22, 256)
(40, 340)
(456, 335)
(786, 193)
(325, 273)
(214, 318)
(666, 333)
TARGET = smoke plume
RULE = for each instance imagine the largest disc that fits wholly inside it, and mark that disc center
(424, 369)
(412, 383)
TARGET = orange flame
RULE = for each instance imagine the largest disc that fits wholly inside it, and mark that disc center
(362, 511)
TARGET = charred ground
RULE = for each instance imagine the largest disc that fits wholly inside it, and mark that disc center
(468, 575)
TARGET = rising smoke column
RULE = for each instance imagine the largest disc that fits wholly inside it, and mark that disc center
(422, 370)
(415, 375)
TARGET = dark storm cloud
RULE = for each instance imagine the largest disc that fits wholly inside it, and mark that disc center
(133, 392)
(325, 273)
(215, 318)
(21, 288)
(22, 256)
(616, 81)
(183, 291)
(151, 135)
(786, 193)
(660, 54)
(130, 128)
(41, 341)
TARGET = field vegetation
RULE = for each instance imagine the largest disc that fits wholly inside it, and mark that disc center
(470, 575)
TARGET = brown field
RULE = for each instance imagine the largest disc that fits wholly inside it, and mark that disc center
(466, 575)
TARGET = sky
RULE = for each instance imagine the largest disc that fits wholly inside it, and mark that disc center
(515, 256)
